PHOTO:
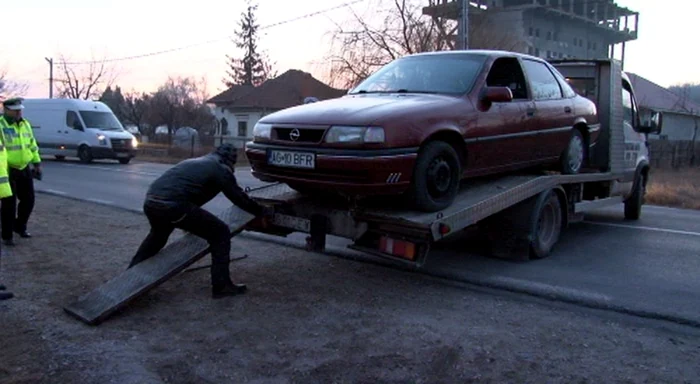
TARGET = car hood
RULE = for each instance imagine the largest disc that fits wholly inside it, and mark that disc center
(367, 109)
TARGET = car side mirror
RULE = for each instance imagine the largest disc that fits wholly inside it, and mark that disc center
(654, 125)
(497, 95)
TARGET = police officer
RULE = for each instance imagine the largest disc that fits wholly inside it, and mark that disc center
(5, 191)
(174, 200)
(24, 163)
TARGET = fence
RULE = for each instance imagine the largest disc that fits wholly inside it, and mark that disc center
(170, 153)
(674, 154)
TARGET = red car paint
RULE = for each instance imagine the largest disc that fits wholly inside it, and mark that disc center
(491, 137)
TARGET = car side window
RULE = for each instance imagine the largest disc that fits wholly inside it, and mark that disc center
(72, 120)
(544, 85)
(506, 72)
(565, 87)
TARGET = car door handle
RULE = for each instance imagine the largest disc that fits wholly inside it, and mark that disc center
(567, 109)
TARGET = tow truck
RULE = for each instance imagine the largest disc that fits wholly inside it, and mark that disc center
(522, 215)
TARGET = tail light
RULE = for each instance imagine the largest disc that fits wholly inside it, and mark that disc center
(399, 248)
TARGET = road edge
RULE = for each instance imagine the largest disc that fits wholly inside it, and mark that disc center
(546, 292)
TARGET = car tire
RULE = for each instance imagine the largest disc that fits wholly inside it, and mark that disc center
(84, 154)
(574, 156)
(124, 161)
(436, 177)
(633, 204)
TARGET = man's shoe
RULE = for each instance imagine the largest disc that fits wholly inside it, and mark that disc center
(6, 295)
(9, 242)
(2, 287)
(24, 234)
(228, 290)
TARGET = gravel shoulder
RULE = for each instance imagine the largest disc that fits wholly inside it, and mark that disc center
(307, 318)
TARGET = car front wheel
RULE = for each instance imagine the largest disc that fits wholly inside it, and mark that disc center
(436, 177)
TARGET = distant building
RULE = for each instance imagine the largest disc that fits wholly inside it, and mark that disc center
(238, 108)
(554, 29)
(681, 116)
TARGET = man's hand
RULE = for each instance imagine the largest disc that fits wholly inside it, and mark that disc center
(36, 172)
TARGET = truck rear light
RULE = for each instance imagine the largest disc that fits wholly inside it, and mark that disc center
(400, 248)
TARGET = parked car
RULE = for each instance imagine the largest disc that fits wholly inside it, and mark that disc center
(423, 122)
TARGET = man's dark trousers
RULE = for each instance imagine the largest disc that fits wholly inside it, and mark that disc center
(15, 216)
(164, 217)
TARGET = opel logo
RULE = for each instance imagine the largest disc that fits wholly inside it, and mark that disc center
(294, 134)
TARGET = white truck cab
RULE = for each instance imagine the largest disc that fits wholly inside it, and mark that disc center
(79, 128)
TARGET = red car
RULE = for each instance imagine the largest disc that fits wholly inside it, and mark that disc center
(423, 122)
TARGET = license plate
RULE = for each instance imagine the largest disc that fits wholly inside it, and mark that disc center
(292, 222)
(292, 159)
(120, 154)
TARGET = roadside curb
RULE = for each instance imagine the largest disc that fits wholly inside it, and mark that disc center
(542, 291)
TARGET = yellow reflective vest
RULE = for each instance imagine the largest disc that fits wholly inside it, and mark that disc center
(5, 188)
(20, 144)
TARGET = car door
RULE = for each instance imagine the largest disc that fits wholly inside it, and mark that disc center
(554, 115)
(71, 133)
(498, 141)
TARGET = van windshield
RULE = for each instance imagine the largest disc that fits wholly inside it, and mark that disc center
(101, 120)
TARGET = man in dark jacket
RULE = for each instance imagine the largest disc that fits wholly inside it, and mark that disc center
(174, 200)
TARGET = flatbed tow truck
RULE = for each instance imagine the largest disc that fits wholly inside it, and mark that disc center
(521, 214)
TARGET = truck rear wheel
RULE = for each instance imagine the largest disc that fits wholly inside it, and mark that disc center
(436, 177)
(546, 225)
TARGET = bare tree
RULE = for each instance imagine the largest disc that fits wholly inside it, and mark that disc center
(9, 88)
(83, 80)
(364, 45)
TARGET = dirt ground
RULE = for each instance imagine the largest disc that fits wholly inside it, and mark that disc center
(307, 318)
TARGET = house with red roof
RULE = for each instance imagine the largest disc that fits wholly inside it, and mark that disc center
(238, 108)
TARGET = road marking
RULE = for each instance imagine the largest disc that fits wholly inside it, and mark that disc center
(53, 191)
(654, 229)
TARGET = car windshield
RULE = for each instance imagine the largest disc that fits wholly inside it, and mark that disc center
(101, 120)
(441, 73)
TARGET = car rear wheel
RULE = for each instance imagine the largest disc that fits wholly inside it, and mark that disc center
(573, 157)
(436, 177)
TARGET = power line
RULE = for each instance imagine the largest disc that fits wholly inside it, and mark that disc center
(150, 54)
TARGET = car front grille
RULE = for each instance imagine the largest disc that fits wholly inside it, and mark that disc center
(121, 143)
(298, 135)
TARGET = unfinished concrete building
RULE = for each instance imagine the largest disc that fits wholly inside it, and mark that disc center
(549, 28)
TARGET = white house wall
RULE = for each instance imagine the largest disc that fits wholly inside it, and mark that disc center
(234, 136)
(678, 127)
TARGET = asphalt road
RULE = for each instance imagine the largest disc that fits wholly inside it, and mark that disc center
(648, 267)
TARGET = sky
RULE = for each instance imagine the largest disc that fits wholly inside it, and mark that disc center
(291, 34)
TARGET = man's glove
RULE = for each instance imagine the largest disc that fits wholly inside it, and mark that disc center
(36, 172)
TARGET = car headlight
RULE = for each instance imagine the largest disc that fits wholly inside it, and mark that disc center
(262, 131)
(102, 139)
(340, 134)
(134, 143)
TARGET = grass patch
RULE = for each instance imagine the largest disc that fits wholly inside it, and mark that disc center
(674, 188)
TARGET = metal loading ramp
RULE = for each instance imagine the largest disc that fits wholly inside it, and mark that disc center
(94, 307)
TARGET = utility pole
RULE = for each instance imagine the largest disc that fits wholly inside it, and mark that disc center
(50, 61)
(463, 25)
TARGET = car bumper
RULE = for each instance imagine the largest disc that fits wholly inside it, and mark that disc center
(111, 153)
(356, 172)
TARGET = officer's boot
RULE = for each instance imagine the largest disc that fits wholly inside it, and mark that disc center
(4, 295)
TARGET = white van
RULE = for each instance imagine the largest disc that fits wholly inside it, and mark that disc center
(78, 128)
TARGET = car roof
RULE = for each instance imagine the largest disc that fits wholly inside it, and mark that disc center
(487, 52)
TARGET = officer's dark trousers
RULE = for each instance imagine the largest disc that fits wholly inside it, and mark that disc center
(165, 217)
(14, 216)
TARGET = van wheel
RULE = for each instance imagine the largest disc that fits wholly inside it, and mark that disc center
(436, 177)
(124, 161)
(633, 205)
(546, 225)
(84, 154)
(573, 157)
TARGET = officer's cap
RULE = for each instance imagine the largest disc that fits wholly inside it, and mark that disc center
(13, 104)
